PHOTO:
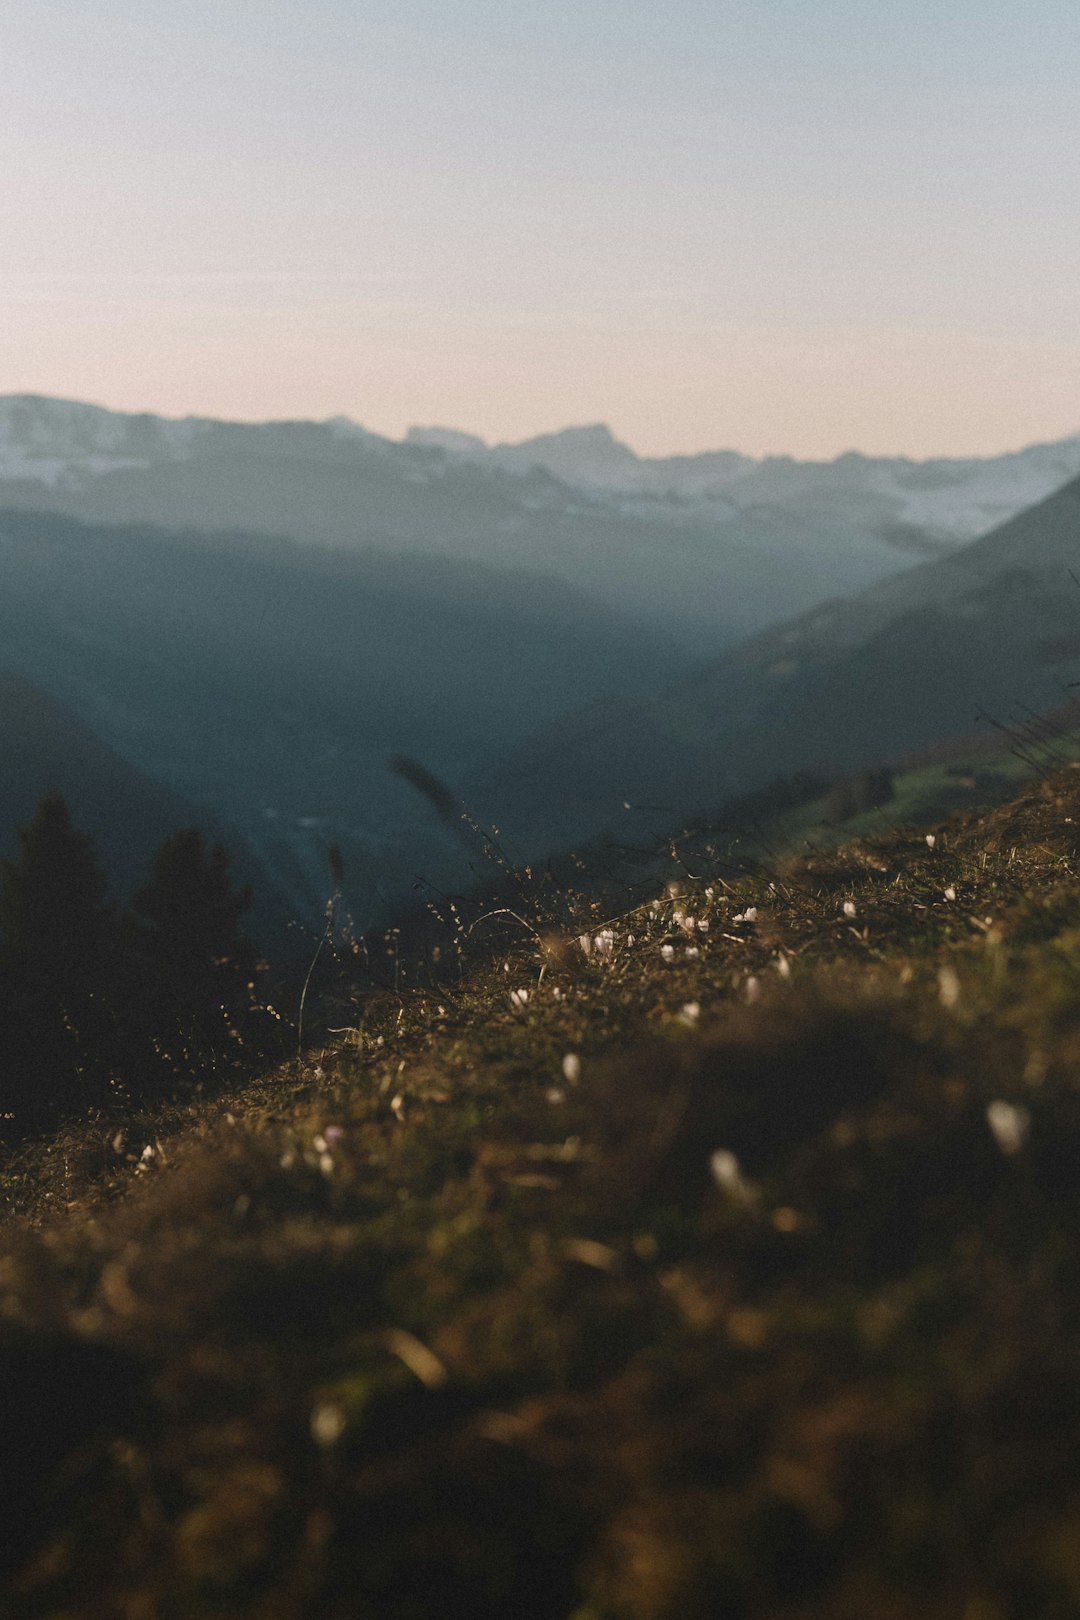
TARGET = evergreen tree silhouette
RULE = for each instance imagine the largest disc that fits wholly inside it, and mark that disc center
(56, 966)
(192, 967)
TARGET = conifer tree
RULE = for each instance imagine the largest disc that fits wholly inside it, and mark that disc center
(56, 963)
(192, 964)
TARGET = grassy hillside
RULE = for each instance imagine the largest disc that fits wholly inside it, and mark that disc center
(722, 1265)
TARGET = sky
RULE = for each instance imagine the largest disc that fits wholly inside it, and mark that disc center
(800, 226)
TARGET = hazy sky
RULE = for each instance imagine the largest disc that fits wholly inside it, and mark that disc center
(777, 225)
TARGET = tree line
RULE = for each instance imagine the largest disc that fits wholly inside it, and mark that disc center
(102, 1003)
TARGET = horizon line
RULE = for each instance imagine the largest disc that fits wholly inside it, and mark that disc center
(491, 445)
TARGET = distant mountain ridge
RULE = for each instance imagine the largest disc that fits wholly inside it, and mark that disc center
(950, 499)
(703, 549)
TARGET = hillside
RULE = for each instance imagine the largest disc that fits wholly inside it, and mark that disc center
(717, 1263)
(992, 630)
(268, 683)
(45, 749)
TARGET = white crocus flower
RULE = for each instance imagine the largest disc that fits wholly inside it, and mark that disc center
(1010, 1125)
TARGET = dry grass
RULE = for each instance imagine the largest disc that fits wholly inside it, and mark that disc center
(751, 1311)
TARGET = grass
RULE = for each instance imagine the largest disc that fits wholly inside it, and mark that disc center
(729, 1271)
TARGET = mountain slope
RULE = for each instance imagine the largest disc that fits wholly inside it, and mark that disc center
(268, 683)
(46, 749)
(993, 628)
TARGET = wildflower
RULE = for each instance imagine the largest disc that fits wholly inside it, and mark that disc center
(571, 1068)
(333, 1134)
(725, 1170)
(783, 966)
(587, 1252)
(749, 915)
(1010, 1125)
(556, 1095)
(930, 840)
(327, 1423)
(667, 952)
(692, 951)
(950, 893)
(519, 999)
(604, 942)
(629, 942)
(849, 908)
(585, 941)
(703, 925)
(689, 1013)
(398, 1105)
(753, 988)
(948, 985)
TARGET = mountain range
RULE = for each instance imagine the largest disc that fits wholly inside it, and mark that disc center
(920, 507)
(702, 549)
(256, 619)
